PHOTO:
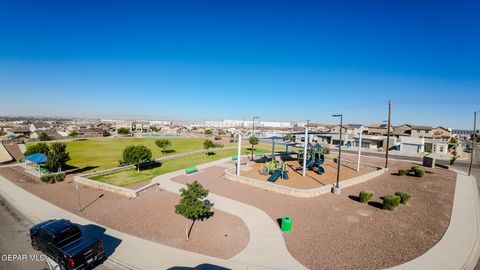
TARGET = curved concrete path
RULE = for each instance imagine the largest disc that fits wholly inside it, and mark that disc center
(266, 247)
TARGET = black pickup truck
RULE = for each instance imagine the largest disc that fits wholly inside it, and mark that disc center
(63, 242)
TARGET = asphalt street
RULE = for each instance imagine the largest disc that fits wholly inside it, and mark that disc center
(15, 249)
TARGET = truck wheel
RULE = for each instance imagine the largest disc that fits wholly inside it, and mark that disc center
(35, 245)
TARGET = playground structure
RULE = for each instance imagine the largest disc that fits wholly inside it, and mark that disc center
(315, 159)
(286, 167)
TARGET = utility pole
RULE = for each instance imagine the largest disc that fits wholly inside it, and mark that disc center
(360, 132)
(388, 133)
(473, 142)
(336, 189)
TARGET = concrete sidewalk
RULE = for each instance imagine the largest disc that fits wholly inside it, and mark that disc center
(131, 253)
(459, 247)
(266, 247)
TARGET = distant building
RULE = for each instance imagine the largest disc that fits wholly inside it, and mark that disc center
(39, 126)
(422, 132)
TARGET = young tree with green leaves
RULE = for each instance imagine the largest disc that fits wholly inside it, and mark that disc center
(37, 148)
(164, 144)
(123, 131)
(208, 132)
(453, 140)
(191, 205)
(136, 154)
(57, 156)
(253, 141)
(74, 133)
(207, 145)
(221, 132)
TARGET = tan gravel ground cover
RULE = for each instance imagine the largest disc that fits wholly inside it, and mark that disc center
(150, 216)
(338, 232)
(312, 179)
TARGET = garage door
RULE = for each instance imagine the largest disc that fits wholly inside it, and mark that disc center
(411, 148)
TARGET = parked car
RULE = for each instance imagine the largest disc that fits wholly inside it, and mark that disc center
(64, 243)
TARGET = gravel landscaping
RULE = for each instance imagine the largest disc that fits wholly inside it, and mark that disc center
(150, 216)
(338, 232)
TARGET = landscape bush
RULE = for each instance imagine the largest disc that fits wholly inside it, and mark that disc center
(217, 138)
(53, 178)
(402, 172)
(391, 202)
(404, 196)
(365, 196)
(419, 172)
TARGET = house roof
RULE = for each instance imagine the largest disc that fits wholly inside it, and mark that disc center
(21, 130)
(422, 127)
(40, 125)
(92, 130)
(377, 126)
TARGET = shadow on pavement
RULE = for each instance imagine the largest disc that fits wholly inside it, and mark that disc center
(204, 266)
(110, 243)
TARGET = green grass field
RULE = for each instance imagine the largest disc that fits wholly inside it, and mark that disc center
(101, 154)
(130, 177)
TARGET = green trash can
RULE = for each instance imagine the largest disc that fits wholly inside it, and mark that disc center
(286, 224)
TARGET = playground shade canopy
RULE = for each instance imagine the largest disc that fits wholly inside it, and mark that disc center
(37, 158)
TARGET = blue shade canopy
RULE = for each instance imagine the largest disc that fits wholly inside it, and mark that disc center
(37, 158)
(275, 138)
(286, 143)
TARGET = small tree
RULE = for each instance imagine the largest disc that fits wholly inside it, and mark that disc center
(136, 154)
(208, 132)
(191, 205)
(74, 133)
(123, 131)
(155, 129)
(289, 137)
(221, 132)
(253, 141)
(164, 144)
(207, 145)
(37, 148)
(57, 156)
(453, 140)
(42, 136)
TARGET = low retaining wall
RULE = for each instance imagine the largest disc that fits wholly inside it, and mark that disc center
(305, 193)
(127, 192)
(128, 167)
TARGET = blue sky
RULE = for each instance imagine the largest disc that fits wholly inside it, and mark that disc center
(280, 60)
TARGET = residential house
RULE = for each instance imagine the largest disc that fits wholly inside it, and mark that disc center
(92, 132)
(402, 130)
(40, 126)
(53, 135)
(21, 130)
(378, 129)
(442, 133)
(422, 132)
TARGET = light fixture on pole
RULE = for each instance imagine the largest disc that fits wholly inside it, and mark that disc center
(388, 133)
(336, 189)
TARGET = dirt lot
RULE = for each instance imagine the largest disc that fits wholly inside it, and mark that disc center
(312, 179)
(150, 216)
(338, 232)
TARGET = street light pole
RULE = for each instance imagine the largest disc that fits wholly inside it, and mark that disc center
(388, 133)
(336, 190)
(305, 149)
(360, 131)
(308, 124)
(473, 142)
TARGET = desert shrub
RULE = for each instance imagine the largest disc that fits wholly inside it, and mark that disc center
(53, 178)
(365, 196)
(402, 172)
(232, 140)
(217, 138)
(419, 172)
(391, 202)
(404, 196)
